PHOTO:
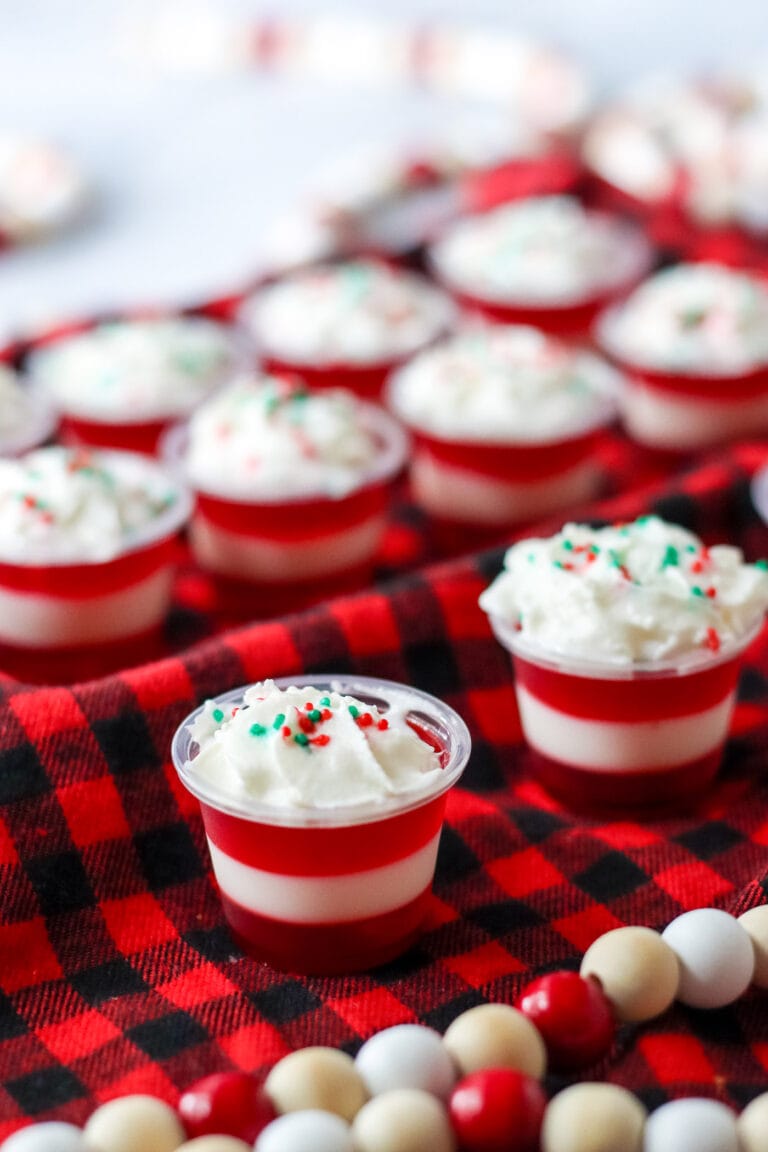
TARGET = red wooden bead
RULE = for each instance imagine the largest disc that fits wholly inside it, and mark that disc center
(226, 1104)
(573, 1015)
(497, 1110)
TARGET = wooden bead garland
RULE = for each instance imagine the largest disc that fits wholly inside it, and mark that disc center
(476, 1088)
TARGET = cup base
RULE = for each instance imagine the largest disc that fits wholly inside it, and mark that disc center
(328, 949)
(630, 793)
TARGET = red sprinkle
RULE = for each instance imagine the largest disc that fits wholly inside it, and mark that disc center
(309, 706)
(29, 502)
(625, 572)
(364, 720)
(326, 713)
(711, 592)
(286, 732)
(712, 641)
(321, 740)
(306, 724)
(383, 724)
(697, 566)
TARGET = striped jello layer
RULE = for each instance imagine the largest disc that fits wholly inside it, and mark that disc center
(640, 741)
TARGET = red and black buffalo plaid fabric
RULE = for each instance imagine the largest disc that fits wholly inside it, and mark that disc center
(117, 973)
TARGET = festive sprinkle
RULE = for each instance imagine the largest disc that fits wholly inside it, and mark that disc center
(696, 591)
(257, 730)
(383, 724)
(711, 592)
(218, 715)
(568, 545)
(321, 740)
(762, 565)
(301, 738)
(325, 701)
(316, 715)
(364, 721)
(279, 720)
(712, 641)
(354, 711)
(286, 732)
(305, 723)
(671, 557)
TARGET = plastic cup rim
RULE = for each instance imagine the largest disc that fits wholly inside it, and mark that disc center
(425, 707)
(561, 662)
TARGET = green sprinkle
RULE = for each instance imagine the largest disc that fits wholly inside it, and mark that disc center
(615, 558)
(531, 557)
(257, 730)
(691, 548)
(594, 549)
(568, 545)
(279, 720)
(671, 557)
(762, 565)
(696, 591)
(315, 715)
(354, 711)
(557, 563)
(218, 715)
(642, 519)
(301, 738)
(325, 701)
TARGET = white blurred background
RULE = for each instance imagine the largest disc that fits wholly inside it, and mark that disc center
(189, 169)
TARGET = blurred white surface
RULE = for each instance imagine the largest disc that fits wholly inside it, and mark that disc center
(189, 170)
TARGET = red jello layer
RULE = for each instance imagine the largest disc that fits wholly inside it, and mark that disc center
(366, 380)
(309, 851)
(569, 320)
(139, 437)
(550, 174)
(668, 789)
(294, 520)
(638, 698)
(719, 389)
(83, 581)
(511, 462)
(328, 948)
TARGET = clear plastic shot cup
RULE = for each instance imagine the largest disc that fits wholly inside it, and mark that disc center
(330, 890)
(646, 736)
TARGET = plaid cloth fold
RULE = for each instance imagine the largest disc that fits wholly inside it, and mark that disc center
(117, 973)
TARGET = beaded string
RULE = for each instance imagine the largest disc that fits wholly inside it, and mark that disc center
(478, 1087)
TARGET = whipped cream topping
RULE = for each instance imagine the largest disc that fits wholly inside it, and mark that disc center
(132, 370)
(360, 311)
(59, 505)
(268, 438)
(693, 317)
(640, 592)
(714, 133)
(40, 187)
(549, 249)
(306, 747)
(503, 384)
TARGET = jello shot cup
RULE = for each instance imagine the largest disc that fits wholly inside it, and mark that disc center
(309, 885)
(122, 383)
(292, 491)
(617, 731)
(86, 564)
(692, 346)
(345, 325)
(546, 262)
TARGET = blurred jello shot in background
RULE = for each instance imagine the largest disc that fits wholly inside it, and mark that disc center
(323, 800)
(26, 417)
(626, 643)
(122, 383)
(86, 559)
(291, 488)
(344, 325)
(692, 345)
(506, 424)
(546, 261)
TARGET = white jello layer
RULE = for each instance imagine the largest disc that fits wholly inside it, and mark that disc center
(251, 558)
(667, 420)
(34, 620)
(458, 494)
(613, 746)
(326, 899)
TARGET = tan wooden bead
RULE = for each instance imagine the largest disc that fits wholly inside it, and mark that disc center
(216, 1144)
(496, 1036)
(324, 1078)
(134, 1124)
(752, 1125)
(638, 971)
(755, 921)
(403, 1120)
(593, 1118)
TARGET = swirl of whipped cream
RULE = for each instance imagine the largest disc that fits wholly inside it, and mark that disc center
(134, 370)
(701, 318)
(268, 438)
(548, 249)
(305, 747)
(59, 505)
(359, 312)
(635, 593)
(503, 384)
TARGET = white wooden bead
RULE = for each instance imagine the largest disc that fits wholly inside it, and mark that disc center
(310, 1130)
(316, 1078)
(134, 1124)
(755, 922)
(48, 1137)
(752, 1125)
(637, 969)
(496, 1036)
(405, 1120)
(716, 957)
(593, 1118)
(216, 1144)
(693, 1125)
(406, 1056)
